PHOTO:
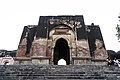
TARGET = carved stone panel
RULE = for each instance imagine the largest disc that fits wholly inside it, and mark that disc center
(83, 48)
(39, 47)
(22, 48)
(100, 52)
(21, 51)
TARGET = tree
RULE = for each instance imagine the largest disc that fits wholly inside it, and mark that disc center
(118, 29)
(111, 54)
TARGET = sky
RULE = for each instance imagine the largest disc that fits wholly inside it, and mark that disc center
(15, 14)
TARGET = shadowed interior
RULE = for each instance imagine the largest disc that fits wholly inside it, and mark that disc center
(61, 51)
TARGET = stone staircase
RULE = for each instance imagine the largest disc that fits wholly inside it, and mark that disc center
(61, 72)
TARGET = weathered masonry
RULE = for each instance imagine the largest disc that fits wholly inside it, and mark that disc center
(61, 37)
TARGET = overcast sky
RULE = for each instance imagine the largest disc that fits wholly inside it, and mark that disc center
(15, 14)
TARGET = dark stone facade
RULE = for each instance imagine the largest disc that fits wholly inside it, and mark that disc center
(81, 42)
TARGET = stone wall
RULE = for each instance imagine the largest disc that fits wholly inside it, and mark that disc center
(39, 47)
(83, 48)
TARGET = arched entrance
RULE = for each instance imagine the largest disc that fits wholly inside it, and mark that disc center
(61, 51)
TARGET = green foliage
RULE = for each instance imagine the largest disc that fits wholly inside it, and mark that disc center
(118, 29)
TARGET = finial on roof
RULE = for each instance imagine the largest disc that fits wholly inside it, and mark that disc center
(92, 24)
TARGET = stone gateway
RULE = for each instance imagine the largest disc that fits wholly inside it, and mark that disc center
(61, 37)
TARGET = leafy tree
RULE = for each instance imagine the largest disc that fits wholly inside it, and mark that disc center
(111, 54)
(118, 29)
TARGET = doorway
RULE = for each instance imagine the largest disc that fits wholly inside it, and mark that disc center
(61, 51)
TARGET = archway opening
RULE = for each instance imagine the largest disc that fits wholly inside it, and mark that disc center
(61, 62)
(61, 51)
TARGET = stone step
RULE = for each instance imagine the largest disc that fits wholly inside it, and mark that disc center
(74, 77)
(52, 77)
(54, 72)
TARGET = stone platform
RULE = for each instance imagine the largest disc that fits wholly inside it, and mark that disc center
(59, 72)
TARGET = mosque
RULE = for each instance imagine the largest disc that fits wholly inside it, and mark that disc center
(61, 37)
